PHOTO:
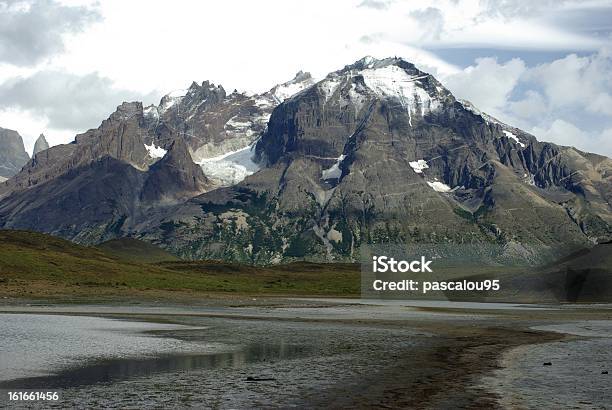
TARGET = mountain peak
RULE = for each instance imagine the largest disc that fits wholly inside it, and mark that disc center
(369, 62)
(41, 144)
(301, 81)
(12, 153)
(301, 76)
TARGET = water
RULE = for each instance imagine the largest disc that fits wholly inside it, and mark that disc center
(108, 363)
(575, 377)
(51, 351)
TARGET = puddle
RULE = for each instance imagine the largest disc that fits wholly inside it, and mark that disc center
(120, 369)
(38, 351)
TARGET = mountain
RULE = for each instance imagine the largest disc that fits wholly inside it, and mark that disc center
(219, 129)
(381, 152)
(109, 180)
(13, 155)
(41, 144)
(376, 152)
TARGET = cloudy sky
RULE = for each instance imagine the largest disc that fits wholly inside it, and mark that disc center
(544, 66)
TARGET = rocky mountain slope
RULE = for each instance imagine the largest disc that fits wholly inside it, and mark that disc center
(377, 152)
(13, 155)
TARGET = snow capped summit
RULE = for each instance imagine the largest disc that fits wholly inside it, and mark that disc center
(170, 99)
(219, 129)
(300, 82)
(151, 112)
(416, 92)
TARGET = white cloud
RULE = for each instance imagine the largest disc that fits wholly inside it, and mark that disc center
(566, 101)
(431, 23)
(487, 84)
(67, 101)
(565, 133)
(32, 30)
(577, 82)
(532, 107)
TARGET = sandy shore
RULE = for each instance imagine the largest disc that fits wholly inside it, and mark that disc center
(318, 353)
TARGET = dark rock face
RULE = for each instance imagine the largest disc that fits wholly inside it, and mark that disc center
(101, 210)
(174, 177)
(102, 184)
(41, 144)
(13, 155)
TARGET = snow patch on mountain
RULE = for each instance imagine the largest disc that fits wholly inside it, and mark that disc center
(470, 107)
(329, 87)
(419, 165)
(394, 82)
(154, 151)
(230, 168)
(514, 137)
(287, 90)
(171, 99)
(300, 82)
(2, 179)
(382, 79)
(334, 172)
(491, 120)
(151, 111)
(439, 186)
(264, 102)
(243, 128)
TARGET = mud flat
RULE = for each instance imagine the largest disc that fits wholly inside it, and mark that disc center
(570, 373)
(309, 353)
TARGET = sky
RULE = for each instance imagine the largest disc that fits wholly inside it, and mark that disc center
(543, 66)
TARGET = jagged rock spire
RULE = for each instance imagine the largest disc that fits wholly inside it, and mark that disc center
(41, 144)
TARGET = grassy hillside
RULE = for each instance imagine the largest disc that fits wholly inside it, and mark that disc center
(38, 265)
(133, 250)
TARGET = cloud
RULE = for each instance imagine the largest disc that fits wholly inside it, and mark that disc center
(33, 30)
(487, 84)
(376, 4)
(532, 107)
(567, 101)
(574, 81)
(565, 133)
(430, 21)
(67, 101)
(517, 8)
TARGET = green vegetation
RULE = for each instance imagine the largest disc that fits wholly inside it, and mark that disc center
(38, 265)
(133, 250)
(469, 216)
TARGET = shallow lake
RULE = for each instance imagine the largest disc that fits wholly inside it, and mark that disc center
(45, 351)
